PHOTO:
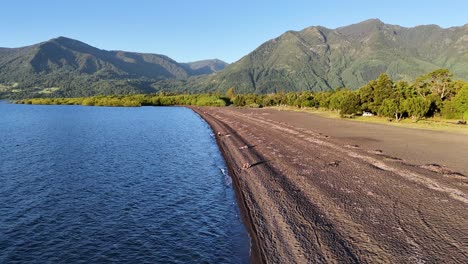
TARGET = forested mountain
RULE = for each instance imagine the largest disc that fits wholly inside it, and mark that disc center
(319, 58)
(69, 68)
(314, 59)
(205, 66)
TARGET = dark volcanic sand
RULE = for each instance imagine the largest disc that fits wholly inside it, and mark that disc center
(317, 190)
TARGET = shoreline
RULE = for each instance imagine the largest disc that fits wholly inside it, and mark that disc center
(306, 197)
(257, 254)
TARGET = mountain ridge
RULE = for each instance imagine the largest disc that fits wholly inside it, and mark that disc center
(315, 58)
(67, 64)
(319, 58)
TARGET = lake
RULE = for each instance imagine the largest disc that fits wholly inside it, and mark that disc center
(99, 185)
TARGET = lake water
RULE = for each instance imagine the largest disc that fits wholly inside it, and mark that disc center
(105, 185)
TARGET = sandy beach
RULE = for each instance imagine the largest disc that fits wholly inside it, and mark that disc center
(318, 190)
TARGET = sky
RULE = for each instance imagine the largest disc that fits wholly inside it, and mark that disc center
(191, 30)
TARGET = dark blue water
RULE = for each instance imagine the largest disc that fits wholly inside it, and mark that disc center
(106, 185)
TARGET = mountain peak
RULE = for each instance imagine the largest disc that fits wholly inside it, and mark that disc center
(69, 42)
(369, 23)
(363, 28)
(374, 21)
(62, 38)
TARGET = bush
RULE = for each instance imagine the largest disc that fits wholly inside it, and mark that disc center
(416, 107)
(351, 104)
(88, 102)
(460, 101)
(210, 101)
(253, 105)
(391, 108)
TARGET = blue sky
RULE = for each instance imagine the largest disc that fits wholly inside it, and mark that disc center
(189, 30)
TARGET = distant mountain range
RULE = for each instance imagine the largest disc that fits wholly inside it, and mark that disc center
(316, 58)
(205, 66)
(64, 63)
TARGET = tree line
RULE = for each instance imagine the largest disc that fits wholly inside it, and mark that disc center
(160, 99)
(433, 94)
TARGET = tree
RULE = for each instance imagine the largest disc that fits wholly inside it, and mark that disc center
(403, 90)
(436, 104)
(230, 93)
(366, 95)
(323, 99)
(441, 83)
(337, 98)
(421, 87)
(438, 82)
(383, 89)
(351, 104)
(460, 101)
(239, 100)
(416, 107)
(392, 108)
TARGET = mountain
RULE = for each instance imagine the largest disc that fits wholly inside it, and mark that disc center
(69, 67)
(318, 58)
(315, 58)
(205, 66)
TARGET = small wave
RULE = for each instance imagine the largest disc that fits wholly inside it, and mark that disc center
(227, 178)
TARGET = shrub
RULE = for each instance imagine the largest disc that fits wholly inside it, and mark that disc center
(350, 104)
(416, 107)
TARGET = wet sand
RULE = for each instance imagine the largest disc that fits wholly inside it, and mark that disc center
(318, 190)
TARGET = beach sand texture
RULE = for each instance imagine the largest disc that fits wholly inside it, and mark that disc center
(317, 190)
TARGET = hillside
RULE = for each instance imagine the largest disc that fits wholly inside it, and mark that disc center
(319, 58)
(69, 67)
(205, 66)
(314, 59)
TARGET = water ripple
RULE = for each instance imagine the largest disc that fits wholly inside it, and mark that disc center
(98, 185)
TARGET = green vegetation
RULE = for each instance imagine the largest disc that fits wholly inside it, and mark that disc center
(431, 95)
(134, 100)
